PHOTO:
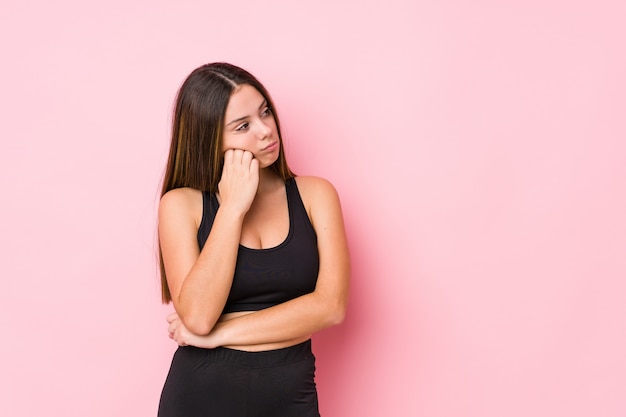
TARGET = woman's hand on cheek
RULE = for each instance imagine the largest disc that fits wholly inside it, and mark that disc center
(240, 180)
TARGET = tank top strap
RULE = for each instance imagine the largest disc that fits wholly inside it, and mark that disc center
(209, 209)
(297, 212)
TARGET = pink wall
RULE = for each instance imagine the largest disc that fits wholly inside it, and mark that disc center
(479, 149)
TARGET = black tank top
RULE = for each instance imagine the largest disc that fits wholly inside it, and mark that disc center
(266, 277)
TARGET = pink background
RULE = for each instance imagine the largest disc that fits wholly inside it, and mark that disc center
(478, 146)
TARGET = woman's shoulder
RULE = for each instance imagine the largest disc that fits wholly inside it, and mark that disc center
(316, 191)
(181, 195)
(313, 183)
(183, 200)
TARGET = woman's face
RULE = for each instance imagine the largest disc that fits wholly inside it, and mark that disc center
(249, 125)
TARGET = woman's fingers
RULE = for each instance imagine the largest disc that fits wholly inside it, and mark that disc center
(172, 327)
(171, 317)
(240, 179)
(238, 156)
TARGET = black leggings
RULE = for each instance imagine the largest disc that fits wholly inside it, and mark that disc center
(225, 382)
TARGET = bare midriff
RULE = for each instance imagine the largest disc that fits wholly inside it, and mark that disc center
(263, 346)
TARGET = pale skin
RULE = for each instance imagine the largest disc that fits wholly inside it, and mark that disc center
(253, 212)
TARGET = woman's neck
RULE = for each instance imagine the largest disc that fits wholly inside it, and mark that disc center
(268, 181)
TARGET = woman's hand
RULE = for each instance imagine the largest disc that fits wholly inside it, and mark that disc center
(240, 180)
(177, 330)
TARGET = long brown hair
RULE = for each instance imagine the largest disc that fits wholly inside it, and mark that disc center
(195, 158)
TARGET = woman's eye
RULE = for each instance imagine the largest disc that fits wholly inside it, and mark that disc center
(266, 112)
(242, 126)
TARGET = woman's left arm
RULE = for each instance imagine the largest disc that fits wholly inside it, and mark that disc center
(324, 307)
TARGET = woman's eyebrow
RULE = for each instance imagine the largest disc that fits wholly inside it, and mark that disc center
(263, 104)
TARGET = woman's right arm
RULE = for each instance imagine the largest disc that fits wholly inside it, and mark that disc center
(199, 281)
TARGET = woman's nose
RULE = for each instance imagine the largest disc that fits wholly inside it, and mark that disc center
(264, 129)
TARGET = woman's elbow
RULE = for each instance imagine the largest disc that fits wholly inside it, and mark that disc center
(336, 313)
(197, 326)
(336, 319)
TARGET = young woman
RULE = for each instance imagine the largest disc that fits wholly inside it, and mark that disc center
(253, 258)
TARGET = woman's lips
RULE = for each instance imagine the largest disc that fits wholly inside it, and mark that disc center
(272, 146)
